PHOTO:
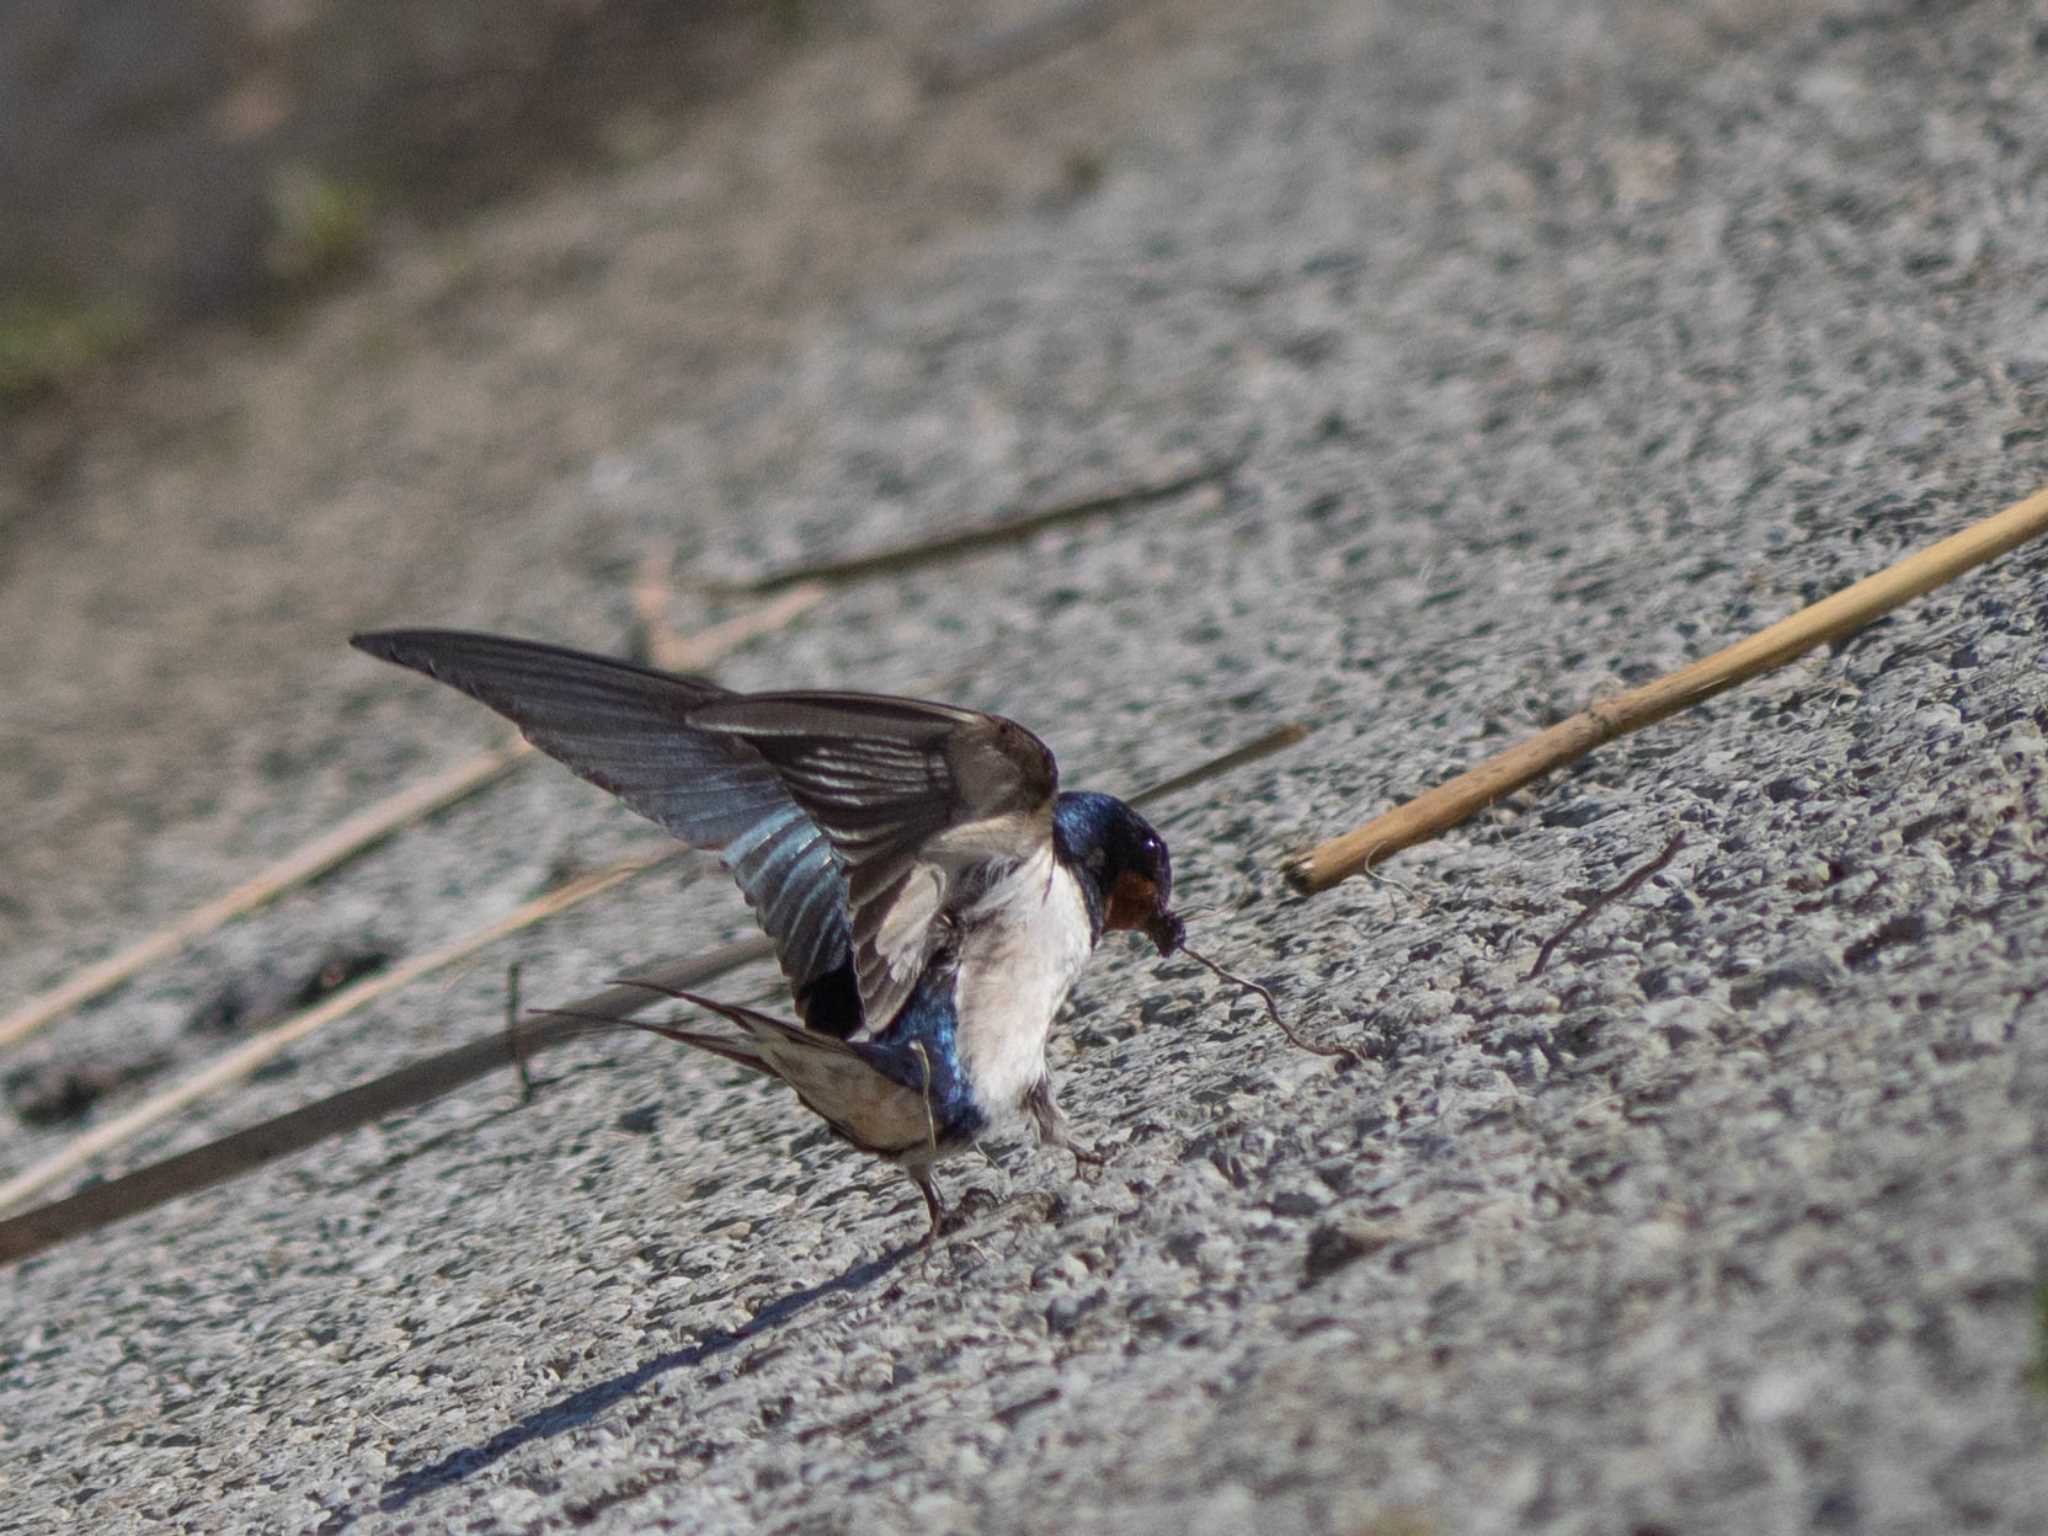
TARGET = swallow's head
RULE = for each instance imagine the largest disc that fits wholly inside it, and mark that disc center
(1132, 872)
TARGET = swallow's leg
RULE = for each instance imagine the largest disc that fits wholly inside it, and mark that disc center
(1053, 1127)
(922, 1178)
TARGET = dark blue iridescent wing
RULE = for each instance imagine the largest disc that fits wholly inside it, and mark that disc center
(627, 730)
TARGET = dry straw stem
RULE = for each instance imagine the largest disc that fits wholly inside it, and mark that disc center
(1830, 619)
(246, 1150)
(1276, 740)
(234, 1065)
(693, 653)
(365, 830)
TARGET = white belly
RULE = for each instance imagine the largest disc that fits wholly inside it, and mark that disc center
(1027, 940)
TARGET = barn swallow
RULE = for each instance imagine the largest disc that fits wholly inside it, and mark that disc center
(930, 890)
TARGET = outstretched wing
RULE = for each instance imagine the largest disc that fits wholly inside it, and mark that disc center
(627, 729)
(848, 819)
(912, 796)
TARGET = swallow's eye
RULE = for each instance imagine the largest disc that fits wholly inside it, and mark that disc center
(1098, 859)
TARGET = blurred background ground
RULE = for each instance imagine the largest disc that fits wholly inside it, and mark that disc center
(187, 528)
(1552, 347)
(158, 144)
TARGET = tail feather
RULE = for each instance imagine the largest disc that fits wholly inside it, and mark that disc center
(765, 1028)
(735, 1051)
(875, 1100)
(738, 1052)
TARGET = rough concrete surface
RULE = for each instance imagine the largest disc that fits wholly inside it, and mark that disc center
(1560, 343)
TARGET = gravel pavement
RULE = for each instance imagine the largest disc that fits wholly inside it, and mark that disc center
(1554, 345)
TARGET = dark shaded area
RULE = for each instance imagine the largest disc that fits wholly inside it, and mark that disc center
(57, 1092)
(1337, 1245)
(579, 1408)
(173, 160)
(65, 1089)
(249, 1003)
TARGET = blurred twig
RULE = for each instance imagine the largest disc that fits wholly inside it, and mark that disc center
(1278, 739)
(673, 652)
(996, 51)
(946, 546)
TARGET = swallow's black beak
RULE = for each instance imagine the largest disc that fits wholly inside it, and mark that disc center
(1167, 931)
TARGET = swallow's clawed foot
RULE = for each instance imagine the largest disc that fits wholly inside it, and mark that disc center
(947, 1221)
(1086, 1157)
(1054, 1130)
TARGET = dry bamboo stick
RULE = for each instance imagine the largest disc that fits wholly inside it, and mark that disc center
(1849, 610)
(234, 1065)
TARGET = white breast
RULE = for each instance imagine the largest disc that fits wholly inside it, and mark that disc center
(1026, 941)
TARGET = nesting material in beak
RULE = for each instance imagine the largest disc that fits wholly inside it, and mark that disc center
(1167, 931)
